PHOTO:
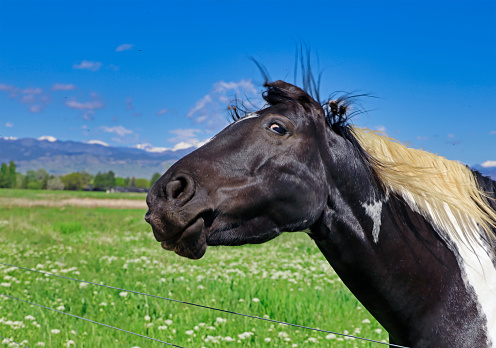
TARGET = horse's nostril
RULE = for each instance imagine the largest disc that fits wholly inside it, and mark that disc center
(175, 188)
(180, 189)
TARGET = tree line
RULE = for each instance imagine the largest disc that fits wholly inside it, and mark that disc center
(41, 180)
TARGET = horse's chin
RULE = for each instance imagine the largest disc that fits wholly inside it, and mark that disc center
(191, 243)
(193, 252)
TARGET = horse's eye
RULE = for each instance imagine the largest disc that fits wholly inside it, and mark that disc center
(277, 128)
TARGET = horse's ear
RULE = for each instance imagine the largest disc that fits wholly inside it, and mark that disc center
(280, 92)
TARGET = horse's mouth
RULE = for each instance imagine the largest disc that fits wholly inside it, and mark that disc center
(190, 243)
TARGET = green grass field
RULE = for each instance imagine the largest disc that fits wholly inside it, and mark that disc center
(286, 279)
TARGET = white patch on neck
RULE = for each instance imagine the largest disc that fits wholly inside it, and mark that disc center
(252, 115)
(374, 210)
(473, 257)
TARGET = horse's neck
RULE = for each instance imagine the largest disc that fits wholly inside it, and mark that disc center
(394, 262)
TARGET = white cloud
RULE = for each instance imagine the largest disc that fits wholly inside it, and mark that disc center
(179, 146)
(9, 125)
(129, 103)
(451, 136)
(7, 88)
(380, 128)
(124, 47)
(119, 130)
(63, 87)
(89, 105)
(489, 164)
(150, 148)
(421, 137)
(9, 138)
(34, 97)
(35, 108)
(181, 134)
(88, 65)
(210, 111)
(97, 142)
(162, 112)
(182, 146)
(32, 90)
(48, 138)
(492, 132)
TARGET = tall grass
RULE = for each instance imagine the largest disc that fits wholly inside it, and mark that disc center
(286, 279)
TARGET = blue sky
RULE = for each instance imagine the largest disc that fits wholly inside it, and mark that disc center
(160, 74)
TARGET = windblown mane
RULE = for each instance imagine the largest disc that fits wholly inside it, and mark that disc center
(445, 192)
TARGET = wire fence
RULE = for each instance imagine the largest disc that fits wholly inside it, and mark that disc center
(13, 342)
(177, 301)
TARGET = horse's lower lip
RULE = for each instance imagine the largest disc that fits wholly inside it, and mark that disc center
(194, 228)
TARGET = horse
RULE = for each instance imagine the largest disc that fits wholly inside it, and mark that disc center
(410, 233)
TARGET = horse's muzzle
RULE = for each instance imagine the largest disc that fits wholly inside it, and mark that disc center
(175, 216)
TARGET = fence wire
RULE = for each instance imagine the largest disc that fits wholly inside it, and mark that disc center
(91, 321)
(12, 341)
(201, 306)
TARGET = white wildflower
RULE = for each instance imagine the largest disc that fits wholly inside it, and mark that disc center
(123, 294)
(220, 320)
(267, 339)
(331, 337)
(378, 331)
(55, 331)
(245, 335)
(147, 317)
(168, 322)
(366, 321)
(189, 332)
(228, 339)
(255, 299)
(29, 317)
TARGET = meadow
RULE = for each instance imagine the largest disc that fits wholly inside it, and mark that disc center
(286, 279)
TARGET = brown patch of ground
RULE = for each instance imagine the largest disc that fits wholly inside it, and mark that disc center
(80, 202)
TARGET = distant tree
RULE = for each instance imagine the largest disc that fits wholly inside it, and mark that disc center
(72, 181)
(143, 183)
(42, 177)
(99, 181)
(34, 185)
(119, 181)
(85, 179)
(4, 176)
(21, 181)
(132, 183)
(30, 176)
(154, 178)
(127, 181)
(55, 183)
(12, 174)
(111, 179)
(104, 180)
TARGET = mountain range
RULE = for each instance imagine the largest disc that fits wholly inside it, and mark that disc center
(62, 157)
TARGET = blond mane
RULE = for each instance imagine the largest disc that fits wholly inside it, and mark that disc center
(443, 191)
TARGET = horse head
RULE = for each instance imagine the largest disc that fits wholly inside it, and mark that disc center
(261, 175)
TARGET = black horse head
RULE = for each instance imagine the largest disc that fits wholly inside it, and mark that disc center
(260, 176)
